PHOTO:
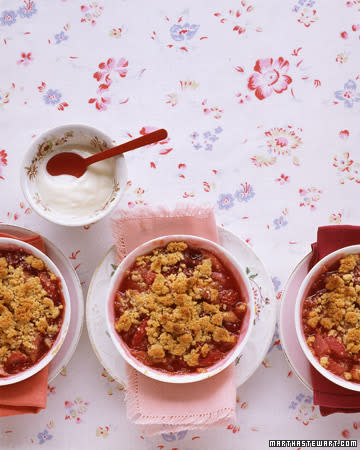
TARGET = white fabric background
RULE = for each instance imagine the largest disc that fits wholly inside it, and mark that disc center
(273, 404)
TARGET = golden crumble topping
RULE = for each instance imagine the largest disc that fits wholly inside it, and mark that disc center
(337, 309)
(26, 310)
(180, 309)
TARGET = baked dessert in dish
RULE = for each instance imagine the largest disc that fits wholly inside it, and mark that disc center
(32, 309)
(179, 309)
(331, 318)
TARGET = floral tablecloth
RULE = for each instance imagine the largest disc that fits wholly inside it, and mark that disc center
(261, 100)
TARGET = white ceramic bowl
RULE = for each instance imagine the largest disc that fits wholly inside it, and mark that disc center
(229, 262)
(319, 268)
(14, 244)
(60, 139)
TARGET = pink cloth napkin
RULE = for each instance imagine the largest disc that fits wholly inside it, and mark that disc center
(163, 407)
(28, 396)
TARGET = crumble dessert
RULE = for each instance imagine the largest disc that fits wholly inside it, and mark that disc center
(31, 310)
(331, 318)
(179, 309)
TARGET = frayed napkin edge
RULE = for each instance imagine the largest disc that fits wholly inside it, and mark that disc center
(121, 216)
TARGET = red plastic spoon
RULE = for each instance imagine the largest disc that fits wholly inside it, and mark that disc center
(68, 163)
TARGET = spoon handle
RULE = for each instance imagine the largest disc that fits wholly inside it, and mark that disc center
(150, 138)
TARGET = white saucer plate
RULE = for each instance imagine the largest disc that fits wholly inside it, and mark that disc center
(261, 335)
(69, 345)
(287, 331)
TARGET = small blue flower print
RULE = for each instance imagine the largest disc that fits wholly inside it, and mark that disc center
(52, 97)
(348, 95)
(181, 435)
(60, 37)
(280, 222)
(44, 436)
(28, 10)
(170, 437)
(8, 18)
(213, 138)
(301, 399)
(182, 32)
(245, 193)
(206, 139)
(226, 201)
(303, 3)
(276, 283)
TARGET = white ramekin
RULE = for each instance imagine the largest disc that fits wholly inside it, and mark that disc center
(64, 137)
(319, 268)
(230, 264)
(14, 244)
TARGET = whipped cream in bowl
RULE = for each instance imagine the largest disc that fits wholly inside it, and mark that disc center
(68, 200)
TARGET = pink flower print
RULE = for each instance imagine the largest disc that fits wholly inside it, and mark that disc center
(237, 18)
(282, 141)
(335, 218)
(4, 98)
(26, 58)
(307, 17)
(111, 66)
(355, 3)
(100, 103)
(310, 196)
(3, 158)
(347, 168)
(103, 76)
(75, 409)
(102, 432)
(3, 161)
(342, 58)
(344, 134)
(282, 179)
(119, 67)
(345, 434)
(263, 161)
(343, 163)
(233, 428)
(214, 110)
(116, 32)
(356, 172)
(270, 76)
(91, 11)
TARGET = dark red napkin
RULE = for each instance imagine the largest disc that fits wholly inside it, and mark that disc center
(329, 396)
(27, 396)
